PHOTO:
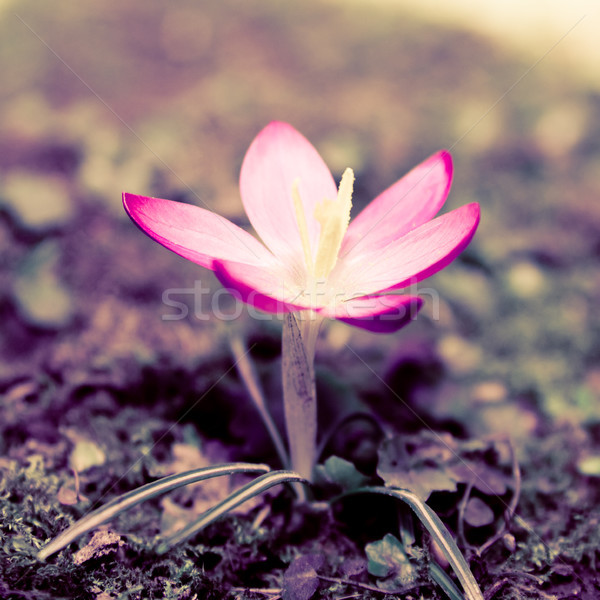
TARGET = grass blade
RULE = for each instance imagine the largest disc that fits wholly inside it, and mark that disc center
(150, 490)
(441, 578)
(248, 375)
(254, 488)
(438, 531)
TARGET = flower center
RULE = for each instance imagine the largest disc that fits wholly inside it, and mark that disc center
(333, 216)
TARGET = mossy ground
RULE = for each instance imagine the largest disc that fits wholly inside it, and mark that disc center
(163, 100)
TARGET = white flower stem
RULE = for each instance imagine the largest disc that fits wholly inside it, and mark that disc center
(299, 394)
(309, 325)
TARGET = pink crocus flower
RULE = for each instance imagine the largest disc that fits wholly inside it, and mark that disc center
(312, 256)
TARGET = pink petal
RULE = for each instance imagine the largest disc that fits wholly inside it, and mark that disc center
(380, 314)
(410, 202)
(195, 233)
(263, 288)
(276, 158)
(409, 259)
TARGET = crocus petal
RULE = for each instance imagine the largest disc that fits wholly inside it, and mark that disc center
(411, 258)
(195, 233)
(380, 314)
(410, 202)
(277, 157)
(263, 288)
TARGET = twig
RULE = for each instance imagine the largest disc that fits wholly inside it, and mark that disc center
(509, 513)
(372, 588)
(273, 592)
(260, 517)
(462, 507)
(77, 484)
(500, 583)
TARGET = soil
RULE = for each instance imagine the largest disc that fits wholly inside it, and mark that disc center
(104, 387)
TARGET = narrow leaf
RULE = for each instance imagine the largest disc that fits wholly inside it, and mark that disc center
(254, 488)
(248, 375)
(150, 490)
(438, 531)
(441, 578)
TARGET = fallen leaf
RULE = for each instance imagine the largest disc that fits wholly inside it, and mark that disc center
(101, 544)
(300, 580)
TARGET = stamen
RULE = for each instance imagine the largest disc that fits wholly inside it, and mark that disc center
(301, 220)
(334, 217)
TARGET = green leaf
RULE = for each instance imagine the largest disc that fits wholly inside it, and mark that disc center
(343, 473)
(387, 558)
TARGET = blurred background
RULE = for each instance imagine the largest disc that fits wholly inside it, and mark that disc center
(163, 99)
